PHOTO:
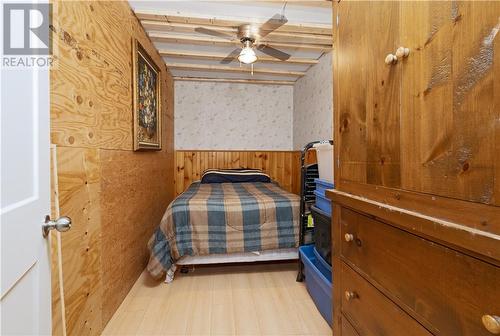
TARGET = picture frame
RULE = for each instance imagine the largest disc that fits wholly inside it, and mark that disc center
(146, 78)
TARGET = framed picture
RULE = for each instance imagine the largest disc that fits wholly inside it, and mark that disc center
(147, 100)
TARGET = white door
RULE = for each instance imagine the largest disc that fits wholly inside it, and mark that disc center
(25, 194)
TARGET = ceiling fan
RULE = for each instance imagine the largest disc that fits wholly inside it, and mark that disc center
(250, 36)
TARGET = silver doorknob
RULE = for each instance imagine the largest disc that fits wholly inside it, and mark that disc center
(62, 224)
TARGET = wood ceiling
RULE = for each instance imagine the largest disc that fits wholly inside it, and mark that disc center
(191, 55)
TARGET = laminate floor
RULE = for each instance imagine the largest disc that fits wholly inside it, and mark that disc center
(261, 299)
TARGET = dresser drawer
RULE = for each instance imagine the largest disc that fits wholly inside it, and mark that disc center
(370, 312)
(347, 328)
(447, 291)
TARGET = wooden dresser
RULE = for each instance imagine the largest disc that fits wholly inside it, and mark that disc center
(416, 212)
(394, 274)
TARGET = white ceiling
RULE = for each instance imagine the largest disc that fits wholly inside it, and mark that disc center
(186, 15)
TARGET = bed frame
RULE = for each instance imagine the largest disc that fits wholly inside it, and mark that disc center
(270, 255)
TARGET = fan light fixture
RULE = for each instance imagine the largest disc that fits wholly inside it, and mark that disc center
(247, 54)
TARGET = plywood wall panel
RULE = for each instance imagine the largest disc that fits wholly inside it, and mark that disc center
(134, 198)
(283, 167)
(57, 314)
(126, 192)
(91, 80)
(79, 198)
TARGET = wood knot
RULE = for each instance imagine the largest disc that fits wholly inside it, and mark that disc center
(91, 103)
(71, 139)
(67, 38)
(382, 82)
(382, 160)
(397, 196)
(79, 99)
(465, 166)
(345, 123)
(79, 55)
(87, 36)
(91, 8)
(91, 135)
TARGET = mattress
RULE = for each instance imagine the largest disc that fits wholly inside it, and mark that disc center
(225, 218)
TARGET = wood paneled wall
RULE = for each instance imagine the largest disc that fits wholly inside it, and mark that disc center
(116, 197)
(282, 166)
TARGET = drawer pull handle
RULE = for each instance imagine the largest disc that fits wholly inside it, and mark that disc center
(402, 52)
(349, 237)
(350, 295)
(491, 323)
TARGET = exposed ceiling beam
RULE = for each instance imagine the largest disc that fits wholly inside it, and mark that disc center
(275, 36)
(309, 3)
(227, 80)
(218, 57)
(218, 68)
(173, 17)
(156, 37)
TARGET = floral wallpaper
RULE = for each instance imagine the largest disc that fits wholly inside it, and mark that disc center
(229, 116)
(313, 104)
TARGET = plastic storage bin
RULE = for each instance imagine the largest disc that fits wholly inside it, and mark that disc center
(324, 153)
(318, 276)
(323, 203)
(322, 234)
(322, 186)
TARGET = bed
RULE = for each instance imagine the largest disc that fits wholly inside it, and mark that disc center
(226, 222)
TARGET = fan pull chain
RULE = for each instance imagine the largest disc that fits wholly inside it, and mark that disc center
(252, 69)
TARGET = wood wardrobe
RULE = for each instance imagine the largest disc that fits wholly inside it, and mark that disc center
(416, 217)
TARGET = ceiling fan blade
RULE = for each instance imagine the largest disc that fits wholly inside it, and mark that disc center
(272, 24)
(273, 52)
(215, 33)
(229, 58)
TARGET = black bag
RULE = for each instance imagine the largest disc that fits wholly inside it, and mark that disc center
(322, 233)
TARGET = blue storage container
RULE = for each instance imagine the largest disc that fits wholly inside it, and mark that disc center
(322, 185)
(323, 203)
(318, 276)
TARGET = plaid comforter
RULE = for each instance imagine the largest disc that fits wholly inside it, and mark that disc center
(225, 218)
